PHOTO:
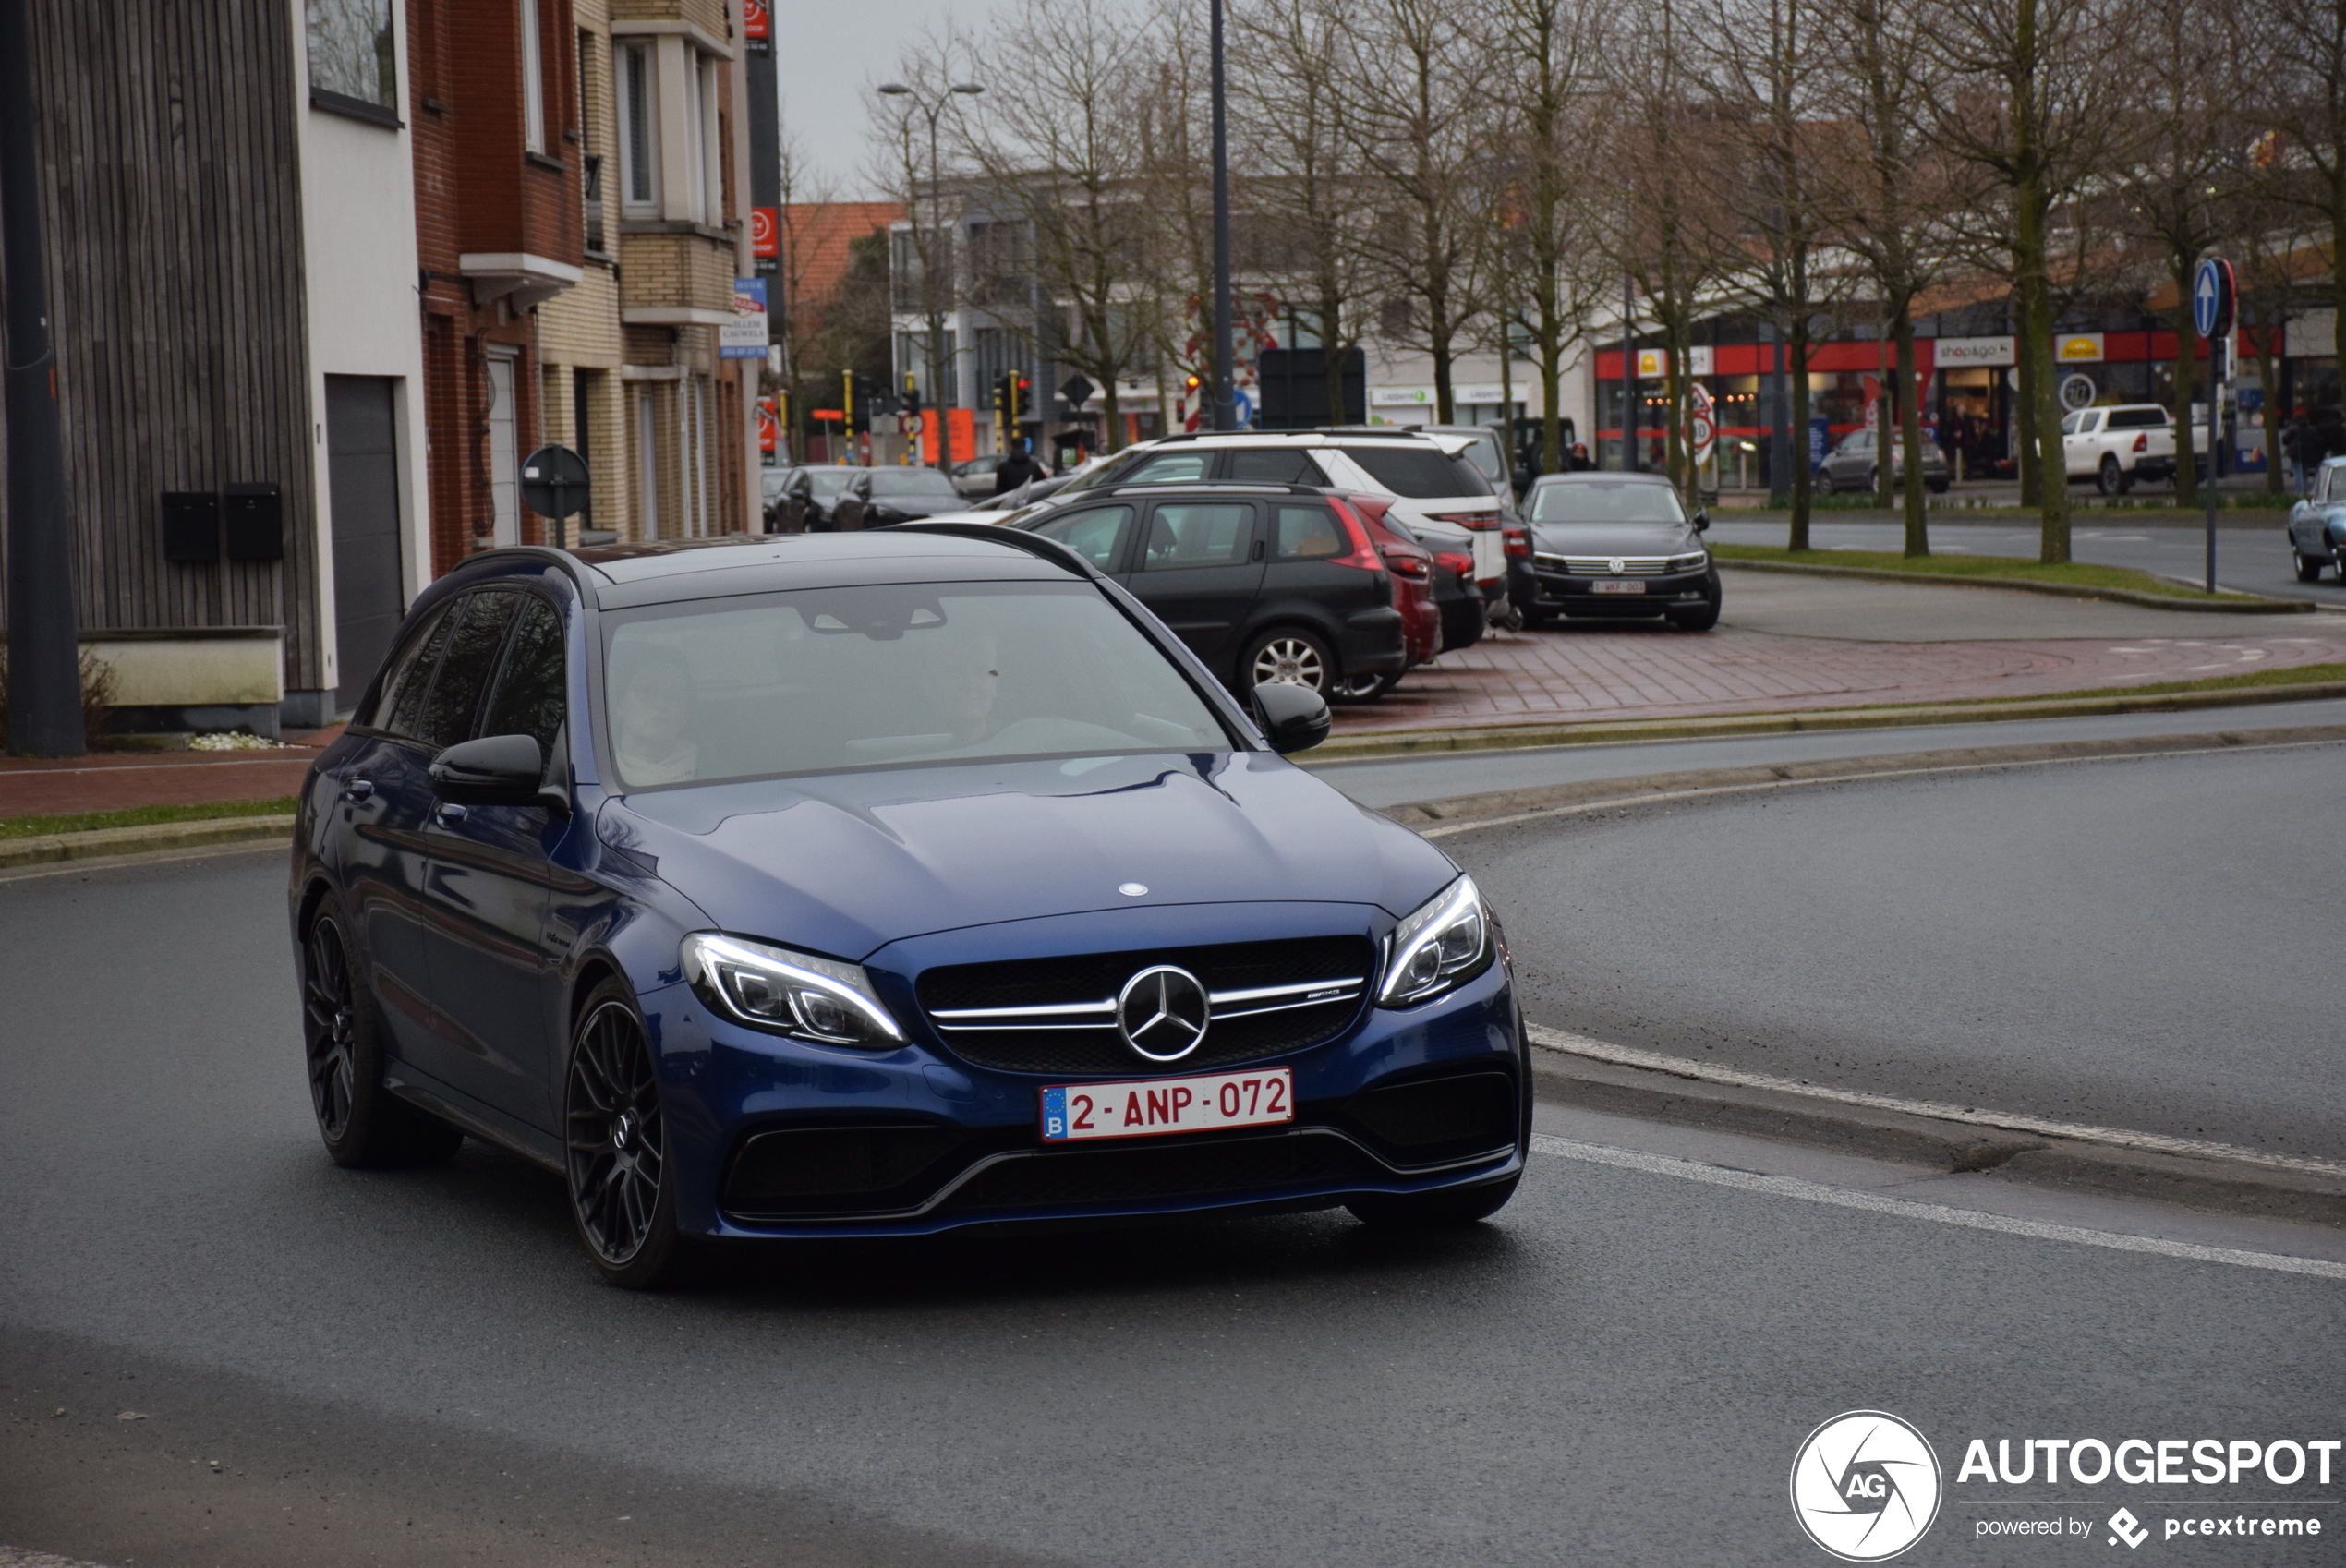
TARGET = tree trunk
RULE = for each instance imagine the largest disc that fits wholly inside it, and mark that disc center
(2179, 267)
(2024, 412)
(1331, 360)
(1801, 477)
(2036, 348)
(2268, 388)
(1439, 335)
(1910, 432)
(1111, 425)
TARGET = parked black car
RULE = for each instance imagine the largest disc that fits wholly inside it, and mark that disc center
(807, 497)
(877, 497)
(1266, 583)
(1611, 545)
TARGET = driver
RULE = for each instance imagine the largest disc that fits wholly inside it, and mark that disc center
(655, 704)
(962, 687)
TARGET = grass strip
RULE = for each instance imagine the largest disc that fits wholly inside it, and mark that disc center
(141, 817)
(2073, 574)
(2298, 675)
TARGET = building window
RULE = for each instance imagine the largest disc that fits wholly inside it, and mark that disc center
(639, 186)
(354, 59)
(533, 81)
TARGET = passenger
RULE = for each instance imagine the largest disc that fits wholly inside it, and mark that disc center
(655, 704)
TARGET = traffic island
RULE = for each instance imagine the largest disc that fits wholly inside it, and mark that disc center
(2071, 579)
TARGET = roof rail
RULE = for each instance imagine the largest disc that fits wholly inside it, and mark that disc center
(1016, 539)
(545, 554)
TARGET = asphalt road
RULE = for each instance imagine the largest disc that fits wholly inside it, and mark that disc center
(2141, 944)
(2254, 559)
(419, 1368)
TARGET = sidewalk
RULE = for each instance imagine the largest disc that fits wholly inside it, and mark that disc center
(122, 780)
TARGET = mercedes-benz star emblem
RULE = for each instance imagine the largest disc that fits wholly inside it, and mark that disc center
(1162, 1012)
(1616, 564)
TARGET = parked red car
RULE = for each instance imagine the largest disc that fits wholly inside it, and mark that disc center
(1412, 567)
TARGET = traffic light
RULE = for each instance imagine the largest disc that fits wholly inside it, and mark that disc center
(912, 394)
(1019, 387)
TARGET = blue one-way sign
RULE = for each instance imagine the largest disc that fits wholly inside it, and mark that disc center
(2211, 298)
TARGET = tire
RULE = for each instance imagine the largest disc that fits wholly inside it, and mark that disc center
(1705, 618)
(1825, 485)
(2309, 568)
(1293, 655)
(1936, 487)
(1362, 688)
(2110, 479)
(1450, 1208)
(621, 1198)
(364, 1125)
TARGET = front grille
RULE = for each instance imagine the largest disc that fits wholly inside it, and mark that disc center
(1075, 1177)
(830, 1169)
(1438, 1119)
(1057, 1015)
(1601, 565)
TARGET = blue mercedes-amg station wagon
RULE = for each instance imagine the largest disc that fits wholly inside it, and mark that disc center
(878, 884)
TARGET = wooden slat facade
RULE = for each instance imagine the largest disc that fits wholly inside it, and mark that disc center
(172, 200)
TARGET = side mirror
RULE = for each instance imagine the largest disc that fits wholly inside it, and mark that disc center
(1294, 719)
(496, 770)
(1701, 519)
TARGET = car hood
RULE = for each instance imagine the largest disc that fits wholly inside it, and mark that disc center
(1614, 538)
(844, 863)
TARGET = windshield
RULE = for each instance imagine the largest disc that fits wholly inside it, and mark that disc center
(828, 481)
(825, 679)
(912, 482)
(1593, 500)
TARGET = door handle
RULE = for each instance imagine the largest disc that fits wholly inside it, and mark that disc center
(449, 810)
(358, 790)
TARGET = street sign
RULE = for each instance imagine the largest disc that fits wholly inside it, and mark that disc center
(2078, 390)
(1077, 391)
(1702, 422)
(1245, 407)
(2214, 296)
(553, 482)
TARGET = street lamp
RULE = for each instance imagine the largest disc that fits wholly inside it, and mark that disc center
(932, 107)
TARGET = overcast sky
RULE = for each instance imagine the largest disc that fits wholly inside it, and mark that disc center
(827, 55)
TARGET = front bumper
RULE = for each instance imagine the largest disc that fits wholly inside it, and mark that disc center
(917, 1141)
(1559, 593)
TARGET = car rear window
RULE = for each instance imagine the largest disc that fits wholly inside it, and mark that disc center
(2137, 418)
(1273, 467)
(889, 675)
(1309, 533)
(1419, 473)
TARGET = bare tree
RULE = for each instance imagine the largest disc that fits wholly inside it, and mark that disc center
(928, 90)
(1424, 132)
(1062, 158)
(1307, 211)
(2300, 48)
(1541, 242)
(2031, 100)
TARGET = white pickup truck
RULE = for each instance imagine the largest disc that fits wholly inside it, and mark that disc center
(2113, 446)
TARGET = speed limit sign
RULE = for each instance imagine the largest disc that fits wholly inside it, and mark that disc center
(1702, 423)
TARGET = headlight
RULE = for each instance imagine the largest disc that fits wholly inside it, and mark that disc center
(1688, 562)
(789, 992)
(1443, 944)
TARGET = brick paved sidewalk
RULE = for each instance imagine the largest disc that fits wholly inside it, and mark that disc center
(120, 780)
(1635, 671)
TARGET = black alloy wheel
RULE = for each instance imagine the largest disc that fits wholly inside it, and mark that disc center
(1707, 615)
(363, 1123)
(2308, 567)
(618, 1147)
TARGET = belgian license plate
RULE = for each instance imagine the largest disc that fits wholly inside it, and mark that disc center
(1075, 1111)
(1609, 585)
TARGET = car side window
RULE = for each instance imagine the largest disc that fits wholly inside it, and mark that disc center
(400, 670)
(530, 696)
(1174, 468)
(1182, 536)
(2069, 424)
(1096, 533)
(415, 682)
(1308, 533)
(465, 669)
(1262, 466)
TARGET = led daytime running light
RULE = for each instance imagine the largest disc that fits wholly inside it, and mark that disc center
(715, 965)
(1457, 908)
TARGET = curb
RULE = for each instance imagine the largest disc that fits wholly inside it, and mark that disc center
(1456, 813)
(1375, 745)
(114, 842)
(2254, 604)
(1616, 1080)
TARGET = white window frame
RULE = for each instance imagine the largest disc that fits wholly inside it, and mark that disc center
(533, 81)
(712, 157)
(634, 68)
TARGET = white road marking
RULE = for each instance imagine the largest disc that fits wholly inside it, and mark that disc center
(1937, 1213)
(2153, 1142)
